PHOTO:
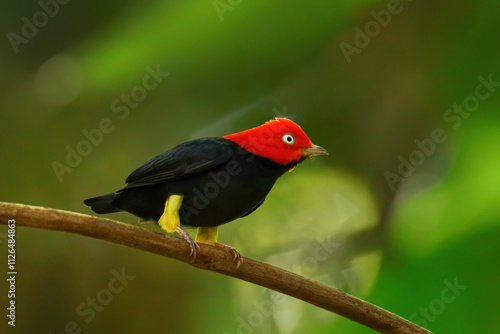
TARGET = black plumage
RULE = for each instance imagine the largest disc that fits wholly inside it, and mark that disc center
(220, 182)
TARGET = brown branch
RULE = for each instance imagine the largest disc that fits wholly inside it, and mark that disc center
(210, 258)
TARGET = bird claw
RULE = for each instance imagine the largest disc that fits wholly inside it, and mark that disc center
(193, 246)
(236, 256)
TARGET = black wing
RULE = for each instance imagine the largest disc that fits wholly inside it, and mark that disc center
(191, 157)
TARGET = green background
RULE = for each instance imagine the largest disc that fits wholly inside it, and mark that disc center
(233, 65)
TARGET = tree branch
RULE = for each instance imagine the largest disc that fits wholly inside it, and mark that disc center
(210, 258)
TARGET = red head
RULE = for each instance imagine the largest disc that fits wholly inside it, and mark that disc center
(279, 140)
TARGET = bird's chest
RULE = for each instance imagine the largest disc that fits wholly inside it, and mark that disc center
(229, 191)
(253, 174)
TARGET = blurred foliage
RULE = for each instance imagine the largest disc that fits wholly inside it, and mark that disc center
(334, 219)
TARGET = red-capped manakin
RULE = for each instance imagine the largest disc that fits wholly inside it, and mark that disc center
(208, 182)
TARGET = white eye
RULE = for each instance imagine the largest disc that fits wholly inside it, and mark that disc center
(288, 139)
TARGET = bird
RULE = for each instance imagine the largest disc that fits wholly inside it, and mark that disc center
(207, 182)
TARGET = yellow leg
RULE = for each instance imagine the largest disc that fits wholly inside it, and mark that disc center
(171, 222)
(208, 235)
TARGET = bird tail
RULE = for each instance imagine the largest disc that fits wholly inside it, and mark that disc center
(102, 204)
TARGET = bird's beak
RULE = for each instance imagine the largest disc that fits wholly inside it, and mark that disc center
(314, 150)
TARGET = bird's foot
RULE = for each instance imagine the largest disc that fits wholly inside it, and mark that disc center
(192, 244)
(236, 256)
